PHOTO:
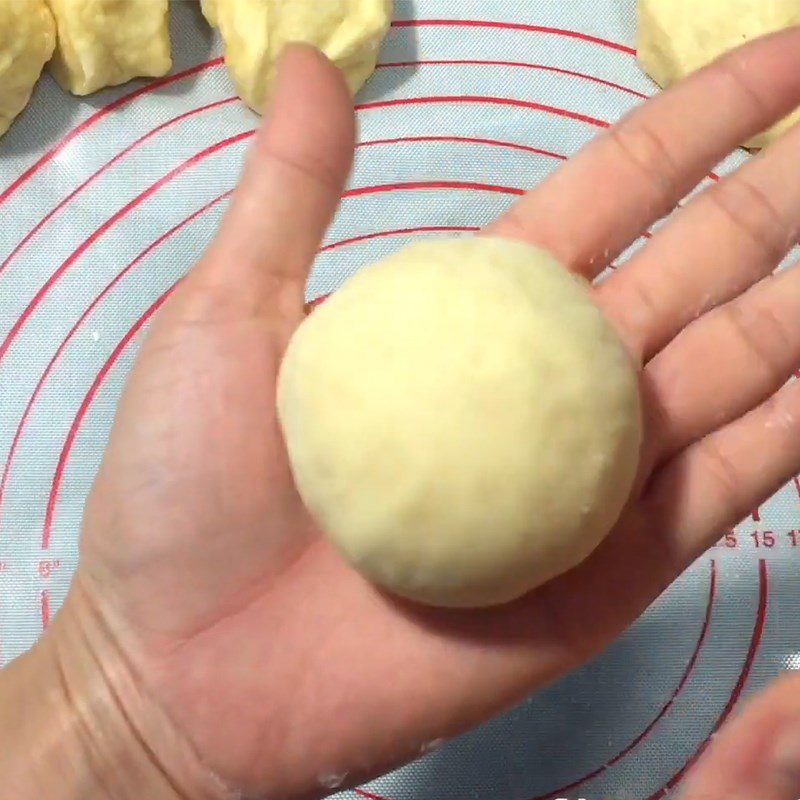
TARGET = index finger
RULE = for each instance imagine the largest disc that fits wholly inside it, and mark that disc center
(591, 209)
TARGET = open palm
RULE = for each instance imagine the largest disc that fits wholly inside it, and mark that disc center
(282, 667)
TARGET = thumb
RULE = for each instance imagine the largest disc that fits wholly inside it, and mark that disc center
(757, 756)
(292, 182)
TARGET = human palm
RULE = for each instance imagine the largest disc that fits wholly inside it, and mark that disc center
(285, 669)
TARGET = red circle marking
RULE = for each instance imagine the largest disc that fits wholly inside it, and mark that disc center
(665, 709)
(203, 154)
(87, 401)
(94, 176)
(755, 642)
(361, 191)
(110, 223)
(465, 140)
(100, 115)
(74, 329)
(369, 795)
(478, 99)
(514, 26)
(397, 232)
(458, 62)
(216, 62)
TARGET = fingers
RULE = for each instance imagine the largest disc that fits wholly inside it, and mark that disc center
(726, 239)
(292, 182)
(713, 484)
(758, 754)
(594, 207)
(724, 364)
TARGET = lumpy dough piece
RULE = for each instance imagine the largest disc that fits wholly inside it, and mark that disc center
(678, 37)
(108, 42)
(255, 32)
(27, 39)
(209, 8)
(461, 421)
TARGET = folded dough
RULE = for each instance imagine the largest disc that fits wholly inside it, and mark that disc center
(349, 32)
(107, 42)
(27, 39)
(678, 37)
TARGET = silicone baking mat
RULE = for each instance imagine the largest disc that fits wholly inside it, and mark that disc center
(106, 202)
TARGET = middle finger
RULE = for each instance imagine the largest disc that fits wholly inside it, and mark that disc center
(724, 241)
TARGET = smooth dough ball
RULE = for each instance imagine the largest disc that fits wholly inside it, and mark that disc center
(678, 37)
(461, 421)
(27, 39)
(108, 42)
(255, 32)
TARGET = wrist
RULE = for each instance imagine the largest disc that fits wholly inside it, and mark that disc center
(76, 725)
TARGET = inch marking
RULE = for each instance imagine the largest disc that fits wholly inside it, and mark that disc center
(48, 567)
(773, 539)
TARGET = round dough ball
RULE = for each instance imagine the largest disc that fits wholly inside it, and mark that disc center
(461, 421)
(255, 33)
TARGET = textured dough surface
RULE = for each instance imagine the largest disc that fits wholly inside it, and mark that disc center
(108, 42)
(255, 32)
(461, 421)
(678, 37)
(27, 39)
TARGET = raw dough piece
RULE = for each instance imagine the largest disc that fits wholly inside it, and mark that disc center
(255, 32)
(678, 37)
(107, 42)
(27, 39)
(461, 421)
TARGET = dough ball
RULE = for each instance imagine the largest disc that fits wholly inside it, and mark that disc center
(108, 42)
(27, 39)
(255, 32)
(678, 37)
(461, 421)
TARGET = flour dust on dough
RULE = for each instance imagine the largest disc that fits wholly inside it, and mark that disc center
(461, 421)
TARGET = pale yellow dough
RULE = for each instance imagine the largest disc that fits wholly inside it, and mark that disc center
(255, 32)
(678, 37)
(27, 39)
(108, 42)
(461, 421)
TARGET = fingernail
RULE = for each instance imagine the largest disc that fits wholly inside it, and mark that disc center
(784, 762)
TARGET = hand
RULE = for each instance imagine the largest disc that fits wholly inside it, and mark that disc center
(757, 756)
(279, 665)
